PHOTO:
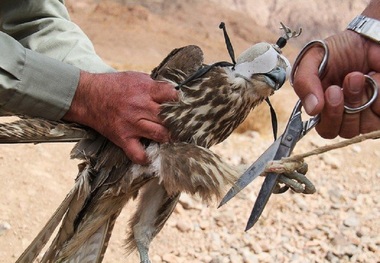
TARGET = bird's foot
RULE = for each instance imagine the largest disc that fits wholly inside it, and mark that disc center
(292, 175)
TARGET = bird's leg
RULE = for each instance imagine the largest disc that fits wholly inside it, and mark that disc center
(292, 174)
(143, 251)
(155, 207)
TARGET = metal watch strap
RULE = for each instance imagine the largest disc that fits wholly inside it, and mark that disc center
(366, 26)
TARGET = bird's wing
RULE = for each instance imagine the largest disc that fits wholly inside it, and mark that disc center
(194, 170)
(87, 226)
(179, 64)
(35, 130)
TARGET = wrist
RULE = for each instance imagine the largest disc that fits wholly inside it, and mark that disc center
(79, 111)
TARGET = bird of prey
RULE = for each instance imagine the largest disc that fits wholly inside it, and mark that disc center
(213, 101)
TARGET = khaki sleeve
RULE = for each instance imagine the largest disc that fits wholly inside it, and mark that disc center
(44, 26)
(33, 84)
(38, 37)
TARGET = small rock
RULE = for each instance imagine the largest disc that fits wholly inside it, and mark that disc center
(264, 257)
(300, 201)
(184, 226)
(359, 233)
(340, 240)
(331, 257)
(351, 221)
(217, 259)
(356, 148)
(331, 161)
(215, 242)
(235, 160)
(265, 246)
(235, 258)
(206, 258)
(170, 258)
(255, 247)
(4, 227)
(373, 247)
(186, 201)
(249, 257)
(204, 224)
(156, 258)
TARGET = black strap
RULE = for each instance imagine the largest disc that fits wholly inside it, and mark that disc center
(203, 70)
(228, 42)
(273, 118)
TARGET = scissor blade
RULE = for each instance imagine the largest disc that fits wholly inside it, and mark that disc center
(264, 194)
(252, 172)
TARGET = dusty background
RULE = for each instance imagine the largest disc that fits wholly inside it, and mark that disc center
(340, 223)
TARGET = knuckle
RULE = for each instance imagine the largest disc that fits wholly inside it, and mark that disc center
(159, 135)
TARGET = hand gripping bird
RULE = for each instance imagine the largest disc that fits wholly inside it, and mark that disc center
(214, 100)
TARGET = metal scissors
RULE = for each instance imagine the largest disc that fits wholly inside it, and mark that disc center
(284, 145)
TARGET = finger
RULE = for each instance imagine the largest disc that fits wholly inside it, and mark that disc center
(354, 96)
(163, 92)
(151, 112)
(153, 131)
(332, 114)
(135, 151)
(375, 107)
(307, 84)
(370, 118)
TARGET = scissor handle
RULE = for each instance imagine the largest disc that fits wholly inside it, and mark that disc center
(322, 66)
(375, 90)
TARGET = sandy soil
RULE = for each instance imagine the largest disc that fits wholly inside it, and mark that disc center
(339, 223)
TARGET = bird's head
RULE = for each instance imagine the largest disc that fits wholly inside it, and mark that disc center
(263, 66)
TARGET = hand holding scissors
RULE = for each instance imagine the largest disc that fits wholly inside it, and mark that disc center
(284, 145)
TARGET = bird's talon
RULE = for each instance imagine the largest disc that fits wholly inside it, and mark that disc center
(280, 189)
(294, 184)
(292, 174)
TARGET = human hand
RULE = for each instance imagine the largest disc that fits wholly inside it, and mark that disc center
(351, 55)
(123, 107)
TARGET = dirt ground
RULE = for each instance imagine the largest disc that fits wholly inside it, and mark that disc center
(339, 223)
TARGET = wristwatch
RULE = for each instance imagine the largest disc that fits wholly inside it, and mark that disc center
(366, 26)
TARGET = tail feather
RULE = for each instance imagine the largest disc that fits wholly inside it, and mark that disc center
(76, 195)
(34, 130)
(67, 230)
(92, 249)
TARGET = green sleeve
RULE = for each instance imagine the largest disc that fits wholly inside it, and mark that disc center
(37, 37)
(44, 26)
(33, 84)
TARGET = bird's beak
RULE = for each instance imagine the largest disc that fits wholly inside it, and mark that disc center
(275, 78)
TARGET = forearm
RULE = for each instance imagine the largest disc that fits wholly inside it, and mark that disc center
(373, 9)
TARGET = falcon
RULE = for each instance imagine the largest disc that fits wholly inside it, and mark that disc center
(213, 101)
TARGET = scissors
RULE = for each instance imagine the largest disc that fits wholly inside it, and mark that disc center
(284, 145)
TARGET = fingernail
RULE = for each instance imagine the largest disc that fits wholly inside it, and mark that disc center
(310, 103)
(334, 95)
(355, 83)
